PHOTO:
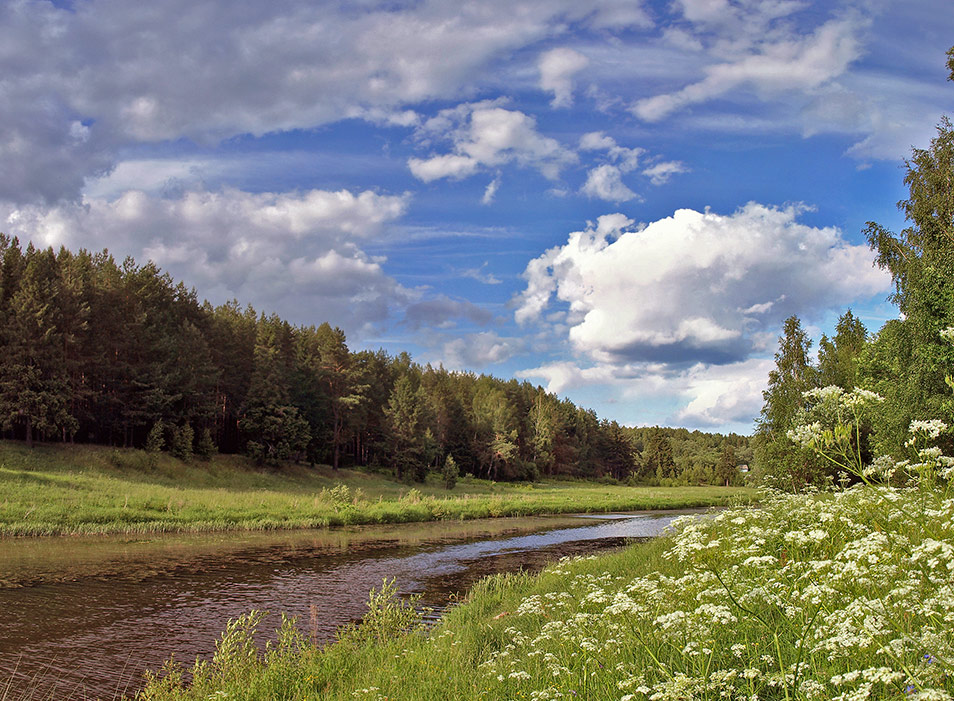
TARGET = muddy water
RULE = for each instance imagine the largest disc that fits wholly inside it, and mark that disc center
(83, 618)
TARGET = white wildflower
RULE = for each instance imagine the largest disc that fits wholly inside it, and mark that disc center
(805, 435)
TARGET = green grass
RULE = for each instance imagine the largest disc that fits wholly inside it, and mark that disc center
(62, 490)
(835, 596)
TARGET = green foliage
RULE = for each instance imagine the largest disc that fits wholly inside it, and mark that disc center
(181, 445)
(776, 459)
(205, 446)
(102, 351)
(449, 473)
(727, 471)
(388, 617)
(658, 458)
(920, 259)
(405, 413)
(156, 440)
(838, 358)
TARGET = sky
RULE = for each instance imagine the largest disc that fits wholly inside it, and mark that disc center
(620, 200)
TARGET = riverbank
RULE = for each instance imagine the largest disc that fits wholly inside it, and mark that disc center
(830, 596)
(71, 490)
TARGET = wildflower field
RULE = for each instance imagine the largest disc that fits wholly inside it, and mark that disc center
(833, 595)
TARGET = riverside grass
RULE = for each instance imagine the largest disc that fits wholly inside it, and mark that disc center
(844, 596)
(66, 490)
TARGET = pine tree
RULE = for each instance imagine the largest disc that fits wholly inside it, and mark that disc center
(34, 385)
(341, 382)
(727, 467)
(450, 473)
(182, 438)
(838, 358)
(405, 411)
(156, 440)
(205, 447)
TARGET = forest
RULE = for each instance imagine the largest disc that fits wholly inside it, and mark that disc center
(96, 351)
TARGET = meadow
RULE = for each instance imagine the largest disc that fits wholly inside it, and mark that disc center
(843, 595)
(61, 490)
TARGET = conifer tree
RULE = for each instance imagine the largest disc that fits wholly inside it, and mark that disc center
(34, 387)
(405, 411)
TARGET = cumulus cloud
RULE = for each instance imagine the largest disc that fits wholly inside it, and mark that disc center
(80, 81)
(722, 394)
(605, 182)
(557, 69)
(484, 134)
(709, 397)
(693, 287)
(298, 254)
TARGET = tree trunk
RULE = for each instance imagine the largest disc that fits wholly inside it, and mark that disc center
(29, 431)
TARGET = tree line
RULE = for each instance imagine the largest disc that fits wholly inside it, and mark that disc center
(909, 361)
(97, 351)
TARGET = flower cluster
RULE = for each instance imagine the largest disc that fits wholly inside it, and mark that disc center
(844, 596)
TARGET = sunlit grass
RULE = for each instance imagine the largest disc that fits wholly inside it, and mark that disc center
(57, 489)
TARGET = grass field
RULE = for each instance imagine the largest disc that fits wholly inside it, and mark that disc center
(61, 490)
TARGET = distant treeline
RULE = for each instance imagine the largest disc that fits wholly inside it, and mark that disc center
(118, 354)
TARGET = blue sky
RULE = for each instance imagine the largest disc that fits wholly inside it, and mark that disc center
(619, 200)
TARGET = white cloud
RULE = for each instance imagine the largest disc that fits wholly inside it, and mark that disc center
(781, 62)
(675, 290)
(605, 182)
(723, 394)
(490, 191)
(564, 374)
(710, 397)
(660, 173)
(484, 135)
(298, 254)
(207, 70)
(626, 159)
(480, 275)
(557, 69)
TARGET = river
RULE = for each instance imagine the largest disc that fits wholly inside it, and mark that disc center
(83, 618)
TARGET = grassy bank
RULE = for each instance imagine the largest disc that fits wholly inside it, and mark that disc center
(58, 490)
(835, 596)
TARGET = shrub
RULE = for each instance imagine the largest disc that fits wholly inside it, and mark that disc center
(450, 473)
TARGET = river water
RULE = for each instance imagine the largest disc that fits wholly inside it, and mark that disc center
(83, 618)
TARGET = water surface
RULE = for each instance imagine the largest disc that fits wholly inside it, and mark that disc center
(83, 618)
